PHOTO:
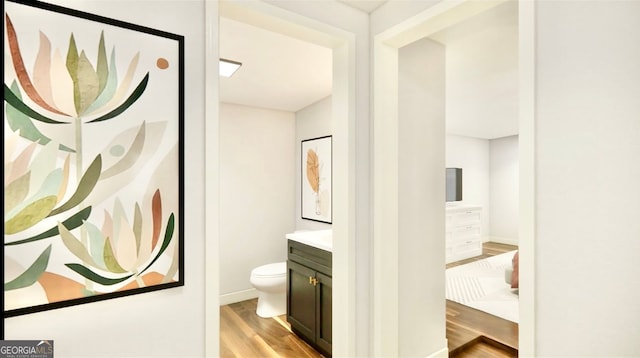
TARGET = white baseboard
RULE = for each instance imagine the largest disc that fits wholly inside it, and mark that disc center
(238, 296)
(443, 353)
(504, 240)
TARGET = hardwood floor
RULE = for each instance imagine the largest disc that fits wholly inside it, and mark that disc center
(470, 333)
(243, 334)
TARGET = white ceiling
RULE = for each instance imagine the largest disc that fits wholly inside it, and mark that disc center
(367, 6)
(278, 71)
(284, 73)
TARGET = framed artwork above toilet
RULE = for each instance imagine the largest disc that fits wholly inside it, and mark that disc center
(316, 179)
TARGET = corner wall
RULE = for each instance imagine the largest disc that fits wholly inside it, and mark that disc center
(166, 323)
(420, 190)
(473, 156)
(504, 174)
(312, 121)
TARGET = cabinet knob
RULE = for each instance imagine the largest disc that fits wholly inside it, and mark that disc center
(313, 280)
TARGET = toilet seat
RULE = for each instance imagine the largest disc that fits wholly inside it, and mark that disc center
(278, 269)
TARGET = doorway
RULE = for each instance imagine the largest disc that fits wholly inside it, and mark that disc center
(388, 123)
(342, 45)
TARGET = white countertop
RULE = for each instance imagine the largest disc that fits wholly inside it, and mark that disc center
(321, 239)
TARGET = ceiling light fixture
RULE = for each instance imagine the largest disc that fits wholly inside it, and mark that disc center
(228, 67)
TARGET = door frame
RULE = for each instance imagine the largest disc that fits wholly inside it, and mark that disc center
(343, 122)
(385, 173)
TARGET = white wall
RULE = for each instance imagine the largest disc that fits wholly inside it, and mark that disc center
(421, 219)
(167, 323)
(504, 177)
(312, 121)
(587, 175)
(257, 153)
(482, 73)
(473, 156)
(490, 179)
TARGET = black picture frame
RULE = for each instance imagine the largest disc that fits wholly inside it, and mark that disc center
(144, 160)
(316, 176)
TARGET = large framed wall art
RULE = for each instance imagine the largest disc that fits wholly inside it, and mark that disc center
(316, 179)
(93, 165)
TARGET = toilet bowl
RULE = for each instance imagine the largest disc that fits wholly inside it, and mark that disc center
(270, 281)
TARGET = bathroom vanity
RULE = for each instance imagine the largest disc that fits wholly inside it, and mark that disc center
(309, 288)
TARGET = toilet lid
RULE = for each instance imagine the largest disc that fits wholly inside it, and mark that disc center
(271, 270)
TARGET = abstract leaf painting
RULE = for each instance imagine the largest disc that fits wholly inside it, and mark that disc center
(316, 179)
(93, 158)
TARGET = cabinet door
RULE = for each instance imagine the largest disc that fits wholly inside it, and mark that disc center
(301, 300)
(323, 326)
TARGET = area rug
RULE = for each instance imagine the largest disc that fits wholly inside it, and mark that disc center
(481, 285)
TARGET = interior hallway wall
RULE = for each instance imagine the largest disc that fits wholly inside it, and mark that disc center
(421, 216)
(166, 323)
(588, 170)
(256, 192)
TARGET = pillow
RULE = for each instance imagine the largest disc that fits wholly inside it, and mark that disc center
(514, 273)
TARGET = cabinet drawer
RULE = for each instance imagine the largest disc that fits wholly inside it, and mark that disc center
(466, 218)
(312, 257)
(464, 233)
(471, 245)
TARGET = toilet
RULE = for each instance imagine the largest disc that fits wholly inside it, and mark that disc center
(271, 282)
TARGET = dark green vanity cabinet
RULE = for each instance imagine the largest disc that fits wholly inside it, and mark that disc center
(309, 294)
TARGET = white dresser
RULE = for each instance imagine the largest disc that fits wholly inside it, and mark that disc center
(463, 234)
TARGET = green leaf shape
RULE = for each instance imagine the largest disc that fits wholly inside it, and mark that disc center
(132, 155)
(17, 103)
(92, 276)
(22, 124)
(110, 260)
(71, 223)
(49, 187)
(16, 192)
(102, 67)
(119, 216)
(88, 83)
(32, 274)
(110, 88)
(135, 95)
(96, 244)
(85, 186)
(168, 235)
(42, 166)
(75, 246)
(72, 67)
(30, 215)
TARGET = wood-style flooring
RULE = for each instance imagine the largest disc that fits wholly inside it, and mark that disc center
(470, 333)
(473, 333)
(244, 334)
